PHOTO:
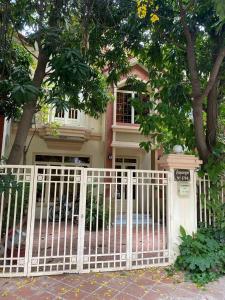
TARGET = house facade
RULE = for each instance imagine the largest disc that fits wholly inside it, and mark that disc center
(112, 141)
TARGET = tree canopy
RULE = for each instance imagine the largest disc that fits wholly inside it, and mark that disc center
(185, 58)
(54, 51)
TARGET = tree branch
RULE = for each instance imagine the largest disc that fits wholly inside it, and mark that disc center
(192, 60)
(189, 5)
(214, 73)
(191, 57)
(24, 46)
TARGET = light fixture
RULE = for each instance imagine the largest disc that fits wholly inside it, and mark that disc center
(178, 149)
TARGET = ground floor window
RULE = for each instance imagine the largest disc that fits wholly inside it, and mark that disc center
(58, 182)
(75, 161)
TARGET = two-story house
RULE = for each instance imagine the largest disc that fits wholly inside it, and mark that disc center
(112, 141)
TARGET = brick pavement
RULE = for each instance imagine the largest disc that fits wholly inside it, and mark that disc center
(150, 284)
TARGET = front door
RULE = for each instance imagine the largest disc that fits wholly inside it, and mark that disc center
(125, 164)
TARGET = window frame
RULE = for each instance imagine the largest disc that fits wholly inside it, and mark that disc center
(132, 108)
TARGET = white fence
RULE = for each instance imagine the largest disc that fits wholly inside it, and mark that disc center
(63, 219)
(205, 215)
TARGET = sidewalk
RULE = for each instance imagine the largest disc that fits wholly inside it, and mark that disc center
(138, 284)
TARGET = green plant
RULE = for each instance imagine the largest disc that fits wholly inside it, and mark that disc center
(97, 214)
(14, 200)
(214, 197)
(171, 270)
(202, 255)
(216, 233)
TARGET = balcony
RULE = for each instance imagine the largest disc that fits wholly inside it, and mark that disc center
(73, 129)
(69, 118)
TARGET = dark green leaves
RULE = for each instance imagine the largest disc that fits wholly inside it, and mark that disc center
(8, 182)
(25, 91)
(16, 87)
(71, 70)
(74, 83)
(202, 256)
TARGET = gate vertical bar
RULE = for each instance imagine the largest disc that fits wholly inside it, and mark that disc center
(81, 222)
(129, 218)
(195, 197)
(169, 209)
(30, 221)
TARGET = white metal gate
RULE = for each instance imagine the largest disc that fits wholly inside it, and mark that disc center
(16, 186)
(205, 214)
(83, 219)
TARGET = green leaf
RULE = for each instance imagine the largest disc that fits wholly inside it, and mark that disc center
(182, 231)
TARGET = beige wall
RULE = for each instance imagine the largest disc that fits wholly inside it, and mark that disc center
(93, 149)
(129, 137)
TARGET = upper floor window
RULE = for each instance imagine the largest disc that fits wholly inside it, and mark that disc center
(125, 112)
(124, 109)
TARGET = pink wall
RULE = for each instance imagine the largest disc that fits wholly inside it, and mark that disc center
(109, 134)
(139, 72)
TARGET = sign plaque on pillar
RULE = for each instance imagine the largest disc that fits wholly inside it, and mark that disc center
(182, 175)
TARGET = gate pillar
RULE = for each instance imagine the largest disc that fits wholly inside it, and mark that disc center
(182, 199)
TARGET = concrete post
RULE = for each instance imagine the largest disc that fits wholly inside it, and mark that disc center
(182, 196)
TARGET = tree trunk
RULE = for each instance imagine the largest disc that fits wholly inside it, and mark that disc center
(29, 110)
(199, 131)
(212, 116)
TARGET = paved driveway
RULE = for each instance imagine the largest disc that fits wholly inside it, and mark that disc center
(139, 284)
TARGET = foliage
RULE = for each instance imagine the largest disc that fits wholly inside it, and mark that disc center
(202, 255)
(97, 214)
(15, 196)
(74, 44)
(163, 126)
(171, 84)
(43, 118)
(71, 68)
(76, 84)
(16, 86)
(7, 182)
(220, 9)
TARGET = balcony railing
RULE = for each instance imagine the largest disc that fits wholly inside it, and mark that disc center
(70, 117)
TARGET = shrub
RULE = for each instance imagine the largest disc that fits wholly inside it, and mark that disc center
(11, 190)
(202, 255)
(94, 211)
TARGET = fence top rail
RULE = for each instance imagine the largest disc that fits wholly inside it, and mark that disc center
(82, 168)
(16, 166)
(205, 177)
